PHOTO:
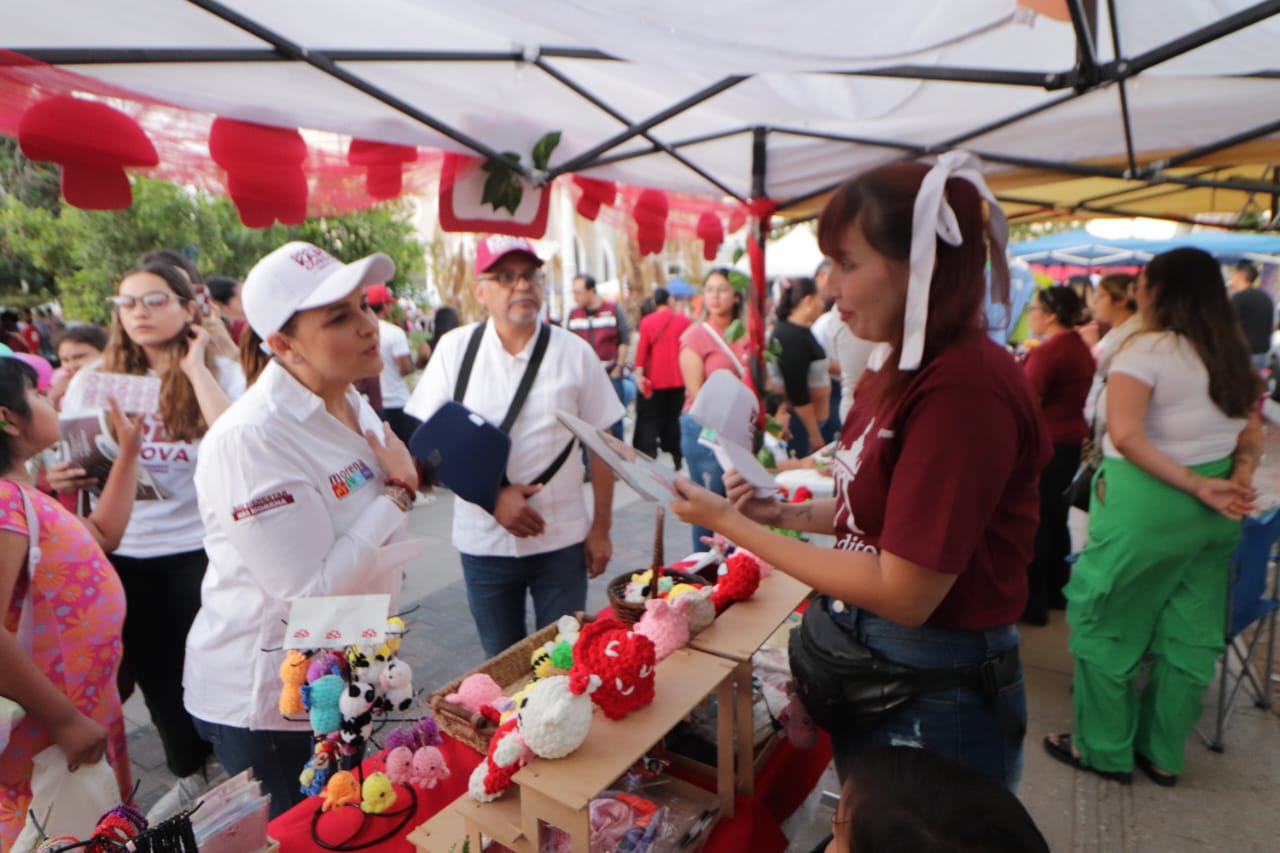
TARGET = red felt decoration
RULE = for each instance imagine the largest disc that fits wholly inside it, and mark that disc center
(385, 162)
(462, 183)
(623, 661)
(651, 221)
(711, 233)
(264, 170)
(594, 194)
(92, 142)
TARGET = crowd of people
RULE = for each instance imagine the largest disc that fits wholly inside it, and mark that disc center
(278, 447)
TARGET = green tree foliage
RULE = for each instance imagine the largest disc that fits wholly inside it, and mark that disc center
(84, 252)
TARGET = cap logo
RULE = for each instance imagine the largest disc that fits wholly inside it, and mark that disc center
(311, 259)
(500, 244)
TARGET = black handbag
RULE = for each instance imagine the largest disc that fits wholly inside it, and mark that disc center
(845, 686)
(1079, 491)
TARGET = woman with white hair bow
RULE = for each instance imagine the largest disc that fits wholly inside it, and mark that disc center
(936, 474)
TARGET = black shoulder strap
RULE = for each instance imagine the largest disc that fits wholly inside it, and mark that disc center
(526, 381)
(468, 361)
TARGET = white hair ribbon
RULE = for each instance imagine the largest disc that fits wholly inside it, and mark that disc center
(933, 218)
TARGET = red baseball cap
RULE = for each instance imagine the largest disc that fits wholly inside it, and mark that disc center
(495, 247)
(378, 294)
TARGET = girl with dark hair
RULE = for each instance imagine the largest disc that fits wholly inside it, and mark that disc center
(62, 616)
(1060, 369)
(161, 558)
(801, 368)
(936, 469)
(1182, 443)
(703, 351)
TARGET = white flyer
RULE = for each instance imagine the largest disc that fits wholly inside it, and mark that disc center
(337, 621)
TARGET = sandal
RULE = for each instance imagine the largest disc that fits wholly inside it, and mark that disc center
(1060, 750)
(1164, 780)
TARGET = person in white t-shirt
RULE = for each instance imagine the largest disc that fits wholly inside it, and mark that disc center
(397, 363)
(303, 492)
(161, 559)
(539, 541)
(1183, 440)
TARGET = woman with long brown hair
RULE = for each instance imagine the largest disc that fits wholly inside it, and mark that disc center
(935, 473)
(1182, 443)
(161, 560)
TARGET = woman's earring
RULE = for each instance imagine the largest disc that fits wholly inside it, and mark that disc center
(297, 359)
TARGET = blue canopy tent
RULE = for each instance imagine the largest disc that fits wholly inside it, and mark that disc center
(1082, 249)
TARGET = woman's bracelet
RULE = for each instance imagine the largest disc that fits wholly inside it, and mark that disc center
(399, 484)
(400, 496)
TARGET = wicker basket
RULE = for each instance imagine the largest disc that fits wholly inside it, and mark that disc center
(510, 669)
(630, 611)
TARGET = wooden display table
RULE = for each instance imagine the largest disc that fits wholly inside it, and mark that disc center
(560, 792)
(736, 635)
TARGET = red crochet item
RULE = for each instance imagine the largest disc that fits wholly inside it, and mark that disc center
(738, 580)
(624, 662)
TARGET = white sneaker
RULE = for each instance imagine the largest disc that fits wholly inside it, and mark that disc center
(183, 796)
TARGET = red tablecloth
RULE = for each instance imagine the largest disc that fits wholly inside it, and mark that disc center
(785, 780)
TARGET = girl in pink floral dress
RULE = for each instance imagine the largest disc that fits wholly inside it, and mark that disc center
(67, 683)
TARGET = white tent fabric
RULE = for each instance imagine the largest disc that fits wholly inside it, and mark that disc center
(794, 97)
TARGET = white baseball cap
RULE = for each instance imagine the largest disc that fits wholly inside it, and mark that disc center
(726, 405)
(298, 276)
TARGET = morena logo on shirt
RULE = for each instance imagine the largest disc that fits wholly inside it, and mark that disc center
(349, 479)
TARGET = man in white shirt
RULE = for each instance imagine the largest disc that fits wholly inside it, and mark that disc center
(397, 363)
(539, 539)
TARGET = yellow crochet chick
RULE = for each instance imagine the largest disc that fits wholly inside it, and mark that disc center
(513, 704)
(293, 674)
(391, 644)
(379, 794)
(342, 789)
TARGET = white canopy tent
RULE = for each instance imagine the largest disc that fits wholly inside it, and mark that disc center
(1076, 105)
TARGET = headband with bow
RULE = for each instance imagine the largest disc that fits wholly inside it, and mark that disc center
(932, 217)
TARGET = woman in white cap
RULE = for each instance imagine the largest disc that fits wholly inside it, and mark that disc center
(161, 559)
(303, 491)
(935, 476)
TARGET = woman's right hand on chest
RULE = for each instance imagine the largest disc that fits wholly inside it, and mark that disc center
(393, 457)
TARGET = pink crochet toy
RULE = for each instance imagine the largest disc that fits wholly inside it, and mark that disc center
(475, 692)
(665, 624)
(399, 764)
(429, 768)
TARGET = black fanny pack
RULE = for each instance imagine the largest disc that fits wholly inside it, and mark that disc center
(846, 686)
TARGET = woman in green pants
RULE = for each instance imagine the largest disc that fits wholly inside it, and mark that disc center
(1183, 439)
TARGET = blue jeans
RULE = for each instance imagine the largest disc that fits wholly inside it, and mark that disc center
(703, 467)
(831, 426)
(277, 757)
(496, 588)
(960, 722)
(619, 388)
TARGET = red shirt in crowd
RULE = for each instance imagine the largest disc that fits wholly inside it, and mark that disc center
(1061, 372)
(658, 348)
(949, 479)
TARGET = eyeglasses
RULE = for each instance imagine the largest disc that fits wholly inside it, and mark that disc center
(506, 278)
(154, 300)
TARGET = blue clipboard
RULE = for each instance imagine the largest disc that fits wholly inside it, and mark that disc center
(468, 453)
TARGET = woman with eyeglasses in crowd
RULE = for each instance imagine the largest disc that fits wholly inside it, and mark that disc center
(156, 331)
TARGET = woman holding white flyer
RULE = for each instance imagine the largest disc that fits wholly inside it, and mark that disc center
(304, 493)
(161, 561)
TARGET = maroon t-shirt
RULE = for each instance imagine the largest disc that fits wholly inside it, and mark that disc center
(1061, 373)
(949, 480)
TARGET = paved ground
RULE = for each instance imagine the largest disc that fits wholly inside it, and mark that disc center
(1225, 802)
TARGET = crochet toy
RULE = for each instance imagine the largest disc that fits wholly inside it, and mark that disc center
(799, 726)
(293, 674)
(326, 663)
(540, 660)
(552, 722)
(737, 580)
(316, 772)
(377, 794)
(624, 662)
(508, 707)
(429, 768)
(399, 762)
(397, 686)
(342, 789)
(391, 644)
(666, 625)
(698, 609)
(475, 692)
(357, 721)
(425, 732)
(322, 700)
